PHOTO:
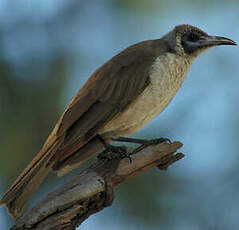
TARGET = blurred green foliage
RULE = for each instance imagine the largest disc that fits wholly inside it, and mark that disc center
(29, 110)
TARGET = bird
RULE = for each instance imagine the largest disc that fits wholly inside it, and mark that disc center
(119, 98)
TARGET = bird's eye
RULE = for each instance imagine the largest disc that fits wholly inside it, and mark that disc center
(190, 41)
(193, 37)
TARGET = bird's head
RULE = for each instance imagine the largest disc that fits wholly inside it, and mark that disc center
(191, 41)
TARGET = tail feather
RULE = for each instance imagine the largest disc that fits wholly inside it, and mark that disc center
(65, 165)
(27, 182)
(47, 160)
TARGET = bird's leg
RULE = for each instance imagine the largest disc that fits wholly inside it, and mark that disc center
(143, 143)
(113, 152)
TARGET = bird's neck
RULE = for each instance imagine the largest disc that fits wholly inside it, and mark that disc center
(169, 71)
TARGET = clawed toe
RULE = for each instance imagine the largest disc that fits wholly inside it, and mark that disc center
(158, 141)
(151, 142)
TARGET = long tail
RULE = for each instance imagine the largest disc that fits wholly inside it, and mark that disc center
(31, 178)
(28, 181)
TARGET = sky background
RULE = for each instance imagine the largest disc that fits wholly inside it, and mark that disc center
(48, 49)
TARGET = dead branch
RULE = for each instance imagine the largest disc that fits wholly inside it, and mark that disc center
(93, 189)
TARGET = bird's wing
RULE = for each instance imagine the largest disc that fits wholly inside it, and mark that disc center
(116, 83)
(107, 92)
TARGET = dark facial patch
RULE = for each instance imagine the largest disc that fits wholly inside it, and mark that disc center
(190, 41)
(192, 36)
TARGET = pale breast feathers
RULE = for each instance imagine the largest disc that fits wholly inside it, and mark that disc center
(166, 76)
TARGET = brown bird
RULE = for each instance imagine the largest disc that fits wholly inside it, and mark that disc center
(122, 96)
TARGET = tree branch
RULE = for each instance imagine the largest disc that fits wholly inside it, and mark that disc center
(93, 189)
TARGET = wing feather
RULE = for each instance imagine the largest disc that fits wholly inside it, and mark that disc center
(108, 91)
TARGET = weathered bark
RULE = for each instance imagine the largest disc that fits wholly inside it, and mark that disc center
(93, 189)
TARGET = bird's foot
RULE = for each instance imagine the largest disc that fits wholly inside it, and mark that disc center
(141, 141)
(151, 142)
(114, 152)
(157, 141)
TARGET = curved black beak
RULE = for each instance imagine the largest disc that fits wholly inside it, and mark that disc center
(217, 41)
